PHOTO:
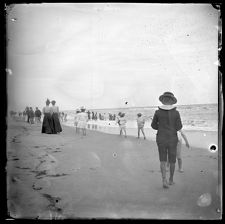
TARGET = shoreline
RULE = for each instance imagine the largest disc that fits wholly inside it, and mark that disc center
(103, 176)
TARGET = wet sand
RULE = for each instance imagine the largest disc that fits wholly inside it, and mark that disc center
(68, 176)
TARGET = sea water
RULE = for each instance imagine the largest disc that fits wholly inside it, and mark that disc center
(200, 118)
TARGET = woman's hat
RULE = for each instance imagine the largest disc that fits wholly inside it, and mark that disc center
(48, 101)
(139, 114)
(53, 101)
(170, 95)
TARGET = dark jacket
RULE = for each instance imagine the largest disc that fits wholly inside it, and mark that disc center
(167, 123)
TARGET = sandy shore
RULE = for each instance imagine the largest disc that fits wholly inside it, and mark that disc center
(104, 176)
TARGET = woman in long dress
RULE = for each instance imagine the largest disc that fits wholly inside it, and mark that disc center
(47, 126)
(55, 118)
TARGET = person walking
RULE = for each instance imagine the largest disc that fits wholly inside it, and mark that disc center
(140, 124)
(55, 118)
(31, 116)
(76, 121)
(47, 125)
(82, 118)
(37, 115)
(167, 122)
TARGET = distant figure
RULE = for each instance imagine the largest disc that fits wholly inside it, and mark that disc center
(27, 114)
(167, 122)
(89, 115)
(82, 118)
(47, 125)
(24, 115)
(93, 115)
(62, 116)
(65, 117)
(76, 121)
(180, 135)
(140, 124)
(122, 124)
(37, 115)
(55, 118)
(31, 115)
(96, 116)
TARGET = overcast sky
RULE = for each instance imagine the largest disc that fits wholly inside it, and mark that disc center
(102, 55)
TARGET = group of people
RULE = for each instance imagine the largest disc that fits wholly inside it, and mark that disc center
(31, 116)
(51, 123)
(100, 116)
(167, 122)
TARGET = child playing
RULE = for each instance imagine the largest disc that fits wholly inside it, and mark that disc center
(167, 122)
(180, 135)
(76, 121)
(122, 124)
(82, 118)
(140, 124)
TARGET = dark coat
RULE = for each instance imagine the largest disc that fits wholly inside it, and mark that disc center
(167, 123)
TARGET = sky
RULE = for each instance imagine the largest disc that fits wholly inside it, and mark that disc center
(101, 55)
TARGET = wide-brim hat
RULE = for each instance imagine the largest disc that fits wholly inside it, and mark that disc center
(170, 95)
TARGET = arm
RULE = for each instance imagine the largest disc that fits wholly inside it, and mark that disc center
(154, 123)
(185, 138)
(178, 122)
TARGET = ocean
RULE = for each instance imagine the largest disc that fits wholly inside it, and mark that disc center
(203, 117)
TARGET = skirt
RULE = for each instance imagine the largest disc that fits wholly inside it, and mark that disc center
(56, 124)
(47, 125)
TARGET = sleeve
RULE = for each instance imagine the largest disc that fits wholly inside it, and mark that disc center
(178, 122)
(154, 123)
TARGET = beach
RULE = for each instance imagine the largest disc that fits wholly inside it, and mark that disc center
(102, 175)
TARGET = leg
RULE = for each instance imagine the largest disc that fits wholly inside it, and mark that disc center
(138, 132)
(125, 133)
(180, 165)
(163, 158)
(172, 168)
(172, 153)
(163, 171)
(179, 144)
(142, 130)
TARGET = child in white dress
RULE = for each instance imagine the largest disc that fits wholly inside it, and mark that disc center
(82, 118)
(140, 124)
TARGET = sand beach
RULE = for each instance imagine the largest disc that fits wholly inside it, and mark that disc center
(68, 176)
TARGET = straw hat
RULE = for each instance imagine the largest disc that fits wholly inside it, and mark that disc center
(168, 95)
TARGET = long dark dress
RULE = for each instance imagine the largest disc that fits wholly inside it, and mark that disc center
(56, 124)
(47, 124)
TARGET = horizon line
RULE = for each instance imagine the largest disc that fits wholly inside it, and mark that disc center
(138, 107)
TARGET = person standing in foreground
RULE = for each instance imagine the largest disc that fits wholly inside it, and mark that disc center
(82, 118)
(47, 125)
(140, 124)
(167, 122)
(55, 118)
